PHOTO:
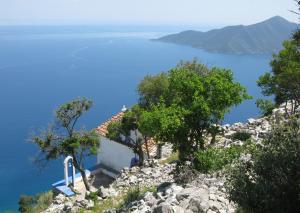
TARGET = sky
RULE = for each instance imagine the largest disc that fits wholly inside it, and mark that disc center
(143, 12)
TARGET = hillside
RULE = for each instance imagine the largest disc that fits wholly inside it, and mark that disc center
(263, 37)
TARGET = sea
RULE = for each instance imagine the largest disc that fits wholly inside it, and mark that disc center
(42, 67)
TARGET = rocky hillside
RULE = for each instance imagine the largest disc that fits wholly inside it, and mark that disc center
(153, 188)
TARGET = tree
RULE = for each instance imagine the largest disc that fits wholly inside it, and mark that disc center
(196, 98)
(284, 79)
(129, 127)
(266, 106)
(62, 139)
(151, 88)
(269, 181)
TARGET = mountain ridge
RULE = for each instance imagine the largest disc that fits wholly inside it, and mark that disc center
(263, 37)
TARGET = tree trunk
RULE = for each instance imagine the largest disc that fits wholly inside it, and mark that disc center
(213, 138)
(82, 172)
(159, 151)
(141, 155)
(147, 148)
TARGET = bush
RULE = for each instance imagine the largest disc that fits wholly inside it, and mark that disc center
(214, 159)
(36, 203)
(92, 196)
(242, 136)
(270, 181)
(132, 195)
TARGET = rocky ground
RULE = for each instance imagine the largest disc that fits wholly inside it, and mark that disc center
(205, 194)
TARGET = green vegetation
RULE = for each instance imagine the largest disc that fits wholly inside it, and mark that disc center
(266, 106)
(130, 124)
(180, 106)
(284, 80)
(121, 200)
(196, 99)
(92, 196)
(62, 139)
(135, 193)
(270, 181)
(37, 203)
(173, 157)
(151, 88)
(214, 159)
(242, 136)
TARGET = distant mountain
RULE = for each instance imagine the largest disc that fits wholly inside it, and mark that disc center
(263, 37)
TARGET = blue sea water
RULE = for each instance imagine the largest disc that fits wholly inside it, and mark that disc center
(43, 67)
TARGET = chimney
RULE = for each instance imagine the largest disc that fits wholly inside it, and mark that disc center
(124, 108)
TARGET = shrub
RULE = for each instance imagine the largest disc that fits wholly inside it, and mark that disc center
(132, 195)
(92, 196)
(36, 203)
(270, 181)
(242, 136)
(214, 159)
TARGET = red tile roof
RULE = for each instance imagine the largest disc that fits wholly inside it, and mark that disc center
(102, 130)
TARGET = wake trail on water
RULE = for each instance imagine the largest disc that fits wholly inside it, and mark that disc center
(75, 53)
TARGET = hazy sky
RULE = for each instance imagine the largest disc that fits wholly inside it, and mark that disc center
(157, 12)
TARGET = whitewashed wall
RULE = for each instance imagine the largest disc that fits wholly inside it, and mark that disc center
(113, 154)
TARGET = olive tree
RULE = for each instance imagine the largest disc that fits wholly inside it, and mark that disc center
(195, 99)
(62, 139)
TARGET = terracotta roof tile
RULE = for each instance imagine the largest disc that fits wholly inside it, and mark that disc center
(102, 129)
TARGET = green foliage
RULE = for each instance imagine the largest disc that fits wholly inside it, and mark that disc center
(126, 126)
(92, 196)
(172, 158)
(284, 79)
(121, 200)
(63, 139)
(266, 106)
(196, 98)
(37, 203)
(133, 194)
(214, 159)
(242, 136)
(152, 88)
(114, 130)
(270, 181)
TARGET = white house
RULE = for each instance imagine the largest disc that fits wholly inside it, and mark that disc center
(117, 155)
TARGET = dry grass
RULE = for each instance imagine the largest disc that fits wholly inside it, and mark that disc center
(173, 157)
(121, 199)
